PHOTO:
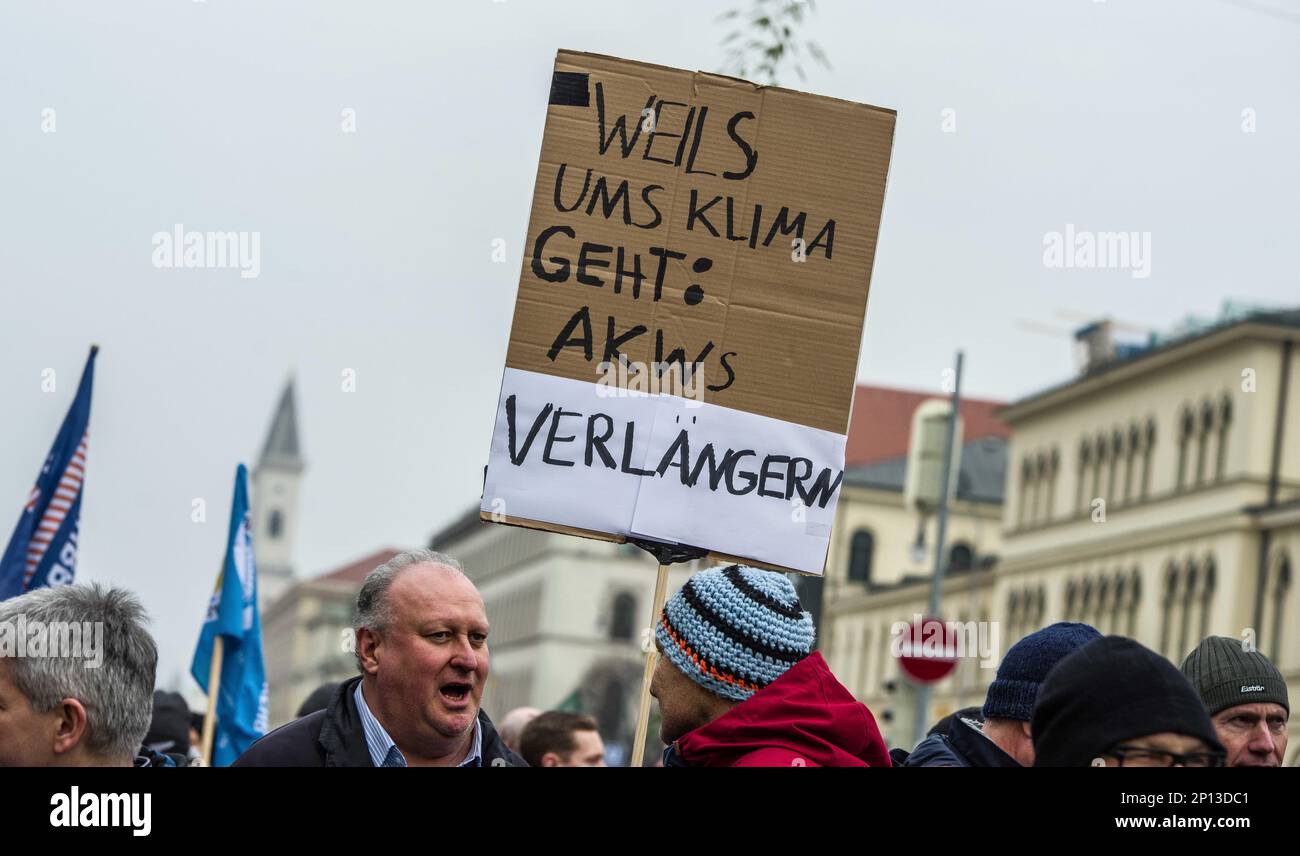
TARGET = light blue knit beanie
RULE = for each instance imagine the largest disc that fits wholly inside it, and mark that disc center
(734, 630)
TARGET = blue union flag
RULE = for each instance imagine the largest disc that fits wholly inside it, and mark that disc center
(232, 616)
(43, 548)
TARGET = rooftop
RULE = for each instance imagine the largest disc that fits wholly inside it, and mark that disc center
(355, 572)
(881, 423)
(980, 478)
(1130, 360)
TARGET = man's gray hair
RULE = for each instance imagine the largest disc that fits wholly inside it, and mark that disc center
(374, 610)
(118, 695)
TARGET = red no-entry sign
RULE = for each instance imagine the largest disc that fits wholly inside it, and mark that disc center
(927, 650)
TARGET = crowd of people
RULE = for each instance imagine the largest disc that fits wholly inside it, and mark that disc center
(738, 683)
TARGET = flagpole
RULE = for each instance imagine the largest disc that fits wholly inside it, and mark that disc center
(651, 660)
(214, 689)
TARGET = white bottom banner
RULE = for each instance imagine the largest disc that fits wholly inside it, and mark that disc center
(664, 468)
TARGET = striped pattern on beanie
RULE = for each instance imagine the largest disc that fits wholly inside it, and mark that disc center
(734, 630)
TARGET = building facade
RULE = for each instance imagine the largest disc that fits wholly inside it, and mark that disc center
(307, 635)
(1155, 496)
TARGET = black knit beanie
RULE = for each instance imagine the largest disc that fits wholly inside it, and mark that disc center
(1109, 691)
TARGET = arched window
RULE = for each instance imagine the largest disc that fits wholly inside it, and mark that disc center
(623, 624)
(1013, 614)
(1186, 428)
(1189, 595)
(1116, 454)
(1148, 447)
(1103, 605)
(1043, 496)
(1071, 595)
(1203, 440)
(960, 558)
(1281, 588)
(1098, 461)
(1207, 596)
(861, 550)
(1167, 606)
(1026, 490)
(1225, 418)
(1134, 443)
(1118, 602)
(1085, 602)
(1053, 465)
(274, 524)
(1085, 459)
(1134, 599)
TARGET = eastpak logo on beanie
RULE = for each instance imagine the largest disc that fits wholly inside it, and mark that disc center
(734, 630)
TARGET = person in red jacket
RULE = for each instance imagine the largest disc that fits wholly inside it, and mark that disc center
(739, 685)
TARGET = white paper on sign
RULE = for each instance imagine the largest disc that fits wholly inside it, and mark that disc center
(664, 468)
(588, 497)
(775, 505)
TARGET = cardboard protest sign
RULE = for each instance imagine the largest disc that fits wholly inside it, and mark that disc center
(685, 339)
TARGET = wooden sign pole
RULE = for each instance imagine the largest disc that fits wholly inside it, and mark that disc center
(214, 689)
(651, 660)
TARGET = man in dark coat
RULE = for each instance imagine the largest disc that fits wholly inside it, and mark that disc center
(1003, 739)
(421, 644)
(334, 737)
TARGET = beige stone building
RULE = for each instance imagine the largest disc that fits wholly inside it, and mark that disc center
(1156, 495)
(880, 560)
(306, 634)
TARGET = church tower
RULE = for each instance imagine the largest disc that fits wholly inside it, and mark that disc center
(275, 501)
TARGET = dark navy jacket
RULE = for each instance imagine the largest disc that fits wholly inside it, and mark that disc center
(962, 746)
(333, 737)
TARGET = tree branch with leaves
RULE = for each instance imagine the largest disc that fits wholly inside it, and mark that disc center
(765, 40)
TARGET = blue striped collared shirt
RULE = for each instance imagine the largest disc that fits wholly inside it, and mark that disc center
(384, 752)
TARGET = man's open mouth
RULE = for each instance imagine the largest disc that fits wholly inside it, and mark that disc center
(455, 691)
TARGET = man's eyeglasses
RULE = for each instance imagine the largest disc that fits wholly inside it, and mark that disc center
(1141, 756)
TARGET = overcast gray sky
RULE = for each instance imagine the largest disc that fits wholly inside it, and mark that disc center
(376, 245)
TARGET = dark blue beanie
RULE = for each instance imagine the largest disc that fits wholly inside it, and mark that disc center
(1011, 695)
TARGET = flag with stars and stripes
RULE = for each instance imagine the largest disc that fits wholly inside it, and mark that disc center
(43, 549)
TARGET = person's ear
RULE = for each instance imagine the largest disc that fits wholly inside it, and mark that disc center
(550, 759)
(70, 725)
(368, 644)
(1024, 727)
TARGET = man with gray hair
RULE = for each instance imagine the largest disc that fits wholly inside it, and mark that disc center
(77, 672)
(1246, 697)
(421, 635)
